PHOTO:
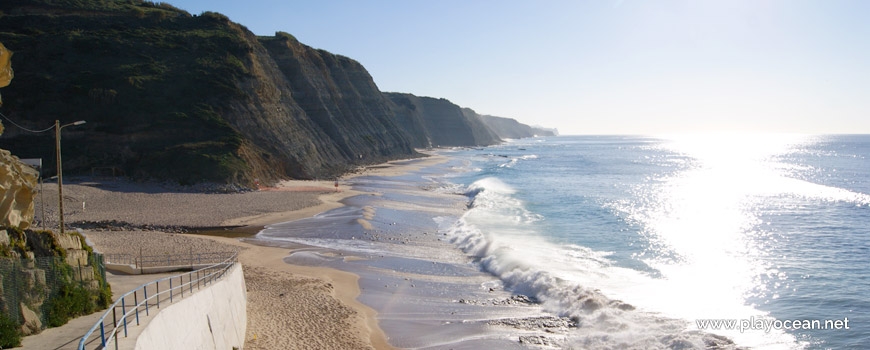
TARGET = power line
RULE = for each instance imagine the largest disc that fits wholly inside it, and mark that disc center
(23, 128)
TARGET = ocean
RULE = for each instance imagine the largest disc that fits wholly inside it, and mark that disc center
(642, 240)
(610, 242)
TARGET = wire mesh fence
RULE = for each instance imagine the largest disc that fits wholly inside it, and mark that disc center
(43, 287)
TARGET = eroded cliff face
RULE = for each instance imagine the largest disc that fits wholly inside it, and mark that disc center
(280, 138)
(188, 98)
(438, 122)
(172, 96)
(340, 97)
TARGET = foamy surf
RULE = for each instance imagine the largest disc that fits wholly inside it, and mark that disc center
(621, 242)
(500, 232)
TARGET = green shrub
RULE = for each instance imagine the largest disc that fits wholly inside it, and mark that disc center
(43, 243)
(10, 333)
(5, 251)
(71, 301)
(17, 241)
(137, 12)
(215, 16)
(105, 297)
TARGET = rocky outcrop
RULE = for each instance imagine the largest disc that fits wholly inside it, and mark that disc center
(5, 71)
(17, 187)
(438, 122)
(32, 324)
(17, 180)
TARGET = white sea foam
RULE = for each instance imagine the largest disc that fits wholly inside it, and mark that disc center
(702, 229)
(513, 161)
(500, 232)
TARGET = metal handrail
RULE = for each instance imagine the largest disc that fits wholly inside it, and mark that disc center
(202, 279)
(166, 260)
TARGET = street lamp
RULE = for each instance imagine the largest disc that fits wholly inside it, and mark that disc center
(57, 128)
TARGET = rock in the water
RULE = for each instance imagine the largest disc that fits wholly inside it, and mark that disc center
(535, 340)
(619, 304)
(548, 323)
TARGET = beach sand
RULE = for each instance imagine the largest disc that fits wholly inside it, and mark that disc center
(298, 307)
(427, 293)
(289, 306)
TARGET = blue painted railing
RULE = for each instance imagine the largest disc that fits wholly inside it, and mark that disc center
(110, 327)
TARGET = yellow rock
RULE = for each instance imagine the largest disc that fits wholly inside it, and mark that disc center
(5, 71)
(17, 187)
(5, 66)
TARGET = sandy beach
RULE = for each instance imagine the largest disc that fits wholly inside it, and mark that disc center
(289, 306)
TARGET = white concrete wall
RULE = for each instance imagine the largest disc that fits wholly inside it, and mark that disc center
(212, 318)
(128, 269)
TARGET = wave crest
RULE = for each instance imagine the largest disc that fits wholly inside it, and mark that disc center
(498, 231)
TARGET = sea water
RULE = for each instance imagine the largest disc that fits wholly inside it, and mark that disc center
(641, 239)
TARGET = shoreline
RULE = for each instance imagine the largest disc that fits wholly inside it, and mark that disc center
(367, 267)
(377, 266)
(331, 199)
(286, 301)
(342, 285)
(345, 285)
(425, 291)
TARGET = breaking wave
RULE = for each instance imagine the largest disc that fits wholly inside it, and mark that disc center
(499, 232)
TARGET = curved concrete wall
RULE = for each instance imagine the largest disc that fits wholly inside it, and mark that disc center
(213, 318)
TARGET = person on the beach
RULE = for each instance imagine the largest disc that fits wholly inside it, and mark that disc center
(336, 185)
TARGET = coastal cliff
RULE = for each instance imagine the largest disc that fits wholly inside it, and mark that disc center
(438, 122)
(341, 98)
(507, 128)
(197, 98)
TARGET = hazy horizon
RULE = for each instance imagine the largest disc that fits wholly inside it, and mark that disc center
(605, 67)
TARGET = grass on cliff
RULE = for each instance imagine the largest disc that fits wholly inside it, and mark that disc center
(152, 82)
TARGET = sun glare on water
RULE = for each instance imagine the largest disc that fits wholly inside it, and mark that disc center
(706, 238)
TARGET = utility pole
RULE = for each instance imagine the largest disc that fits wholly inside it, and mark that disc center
(42, 198)
(59, 173)
(57, 128)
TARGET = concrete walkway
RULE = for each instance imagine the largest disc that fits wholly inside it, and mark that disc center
(68, 335)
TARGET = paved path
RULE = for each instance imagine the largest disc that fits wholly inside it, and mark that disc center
(68, 335)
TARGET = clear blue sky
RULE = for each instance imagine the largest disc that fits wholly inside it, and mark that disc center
(608, 66)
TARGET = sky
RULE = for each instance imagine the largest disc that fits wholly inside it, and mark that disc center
(606, 66)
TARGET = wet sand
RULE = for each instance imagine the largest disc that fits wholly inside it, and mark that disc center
(300, 307)
(290, 306)
(341, 270)
(426, 292)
